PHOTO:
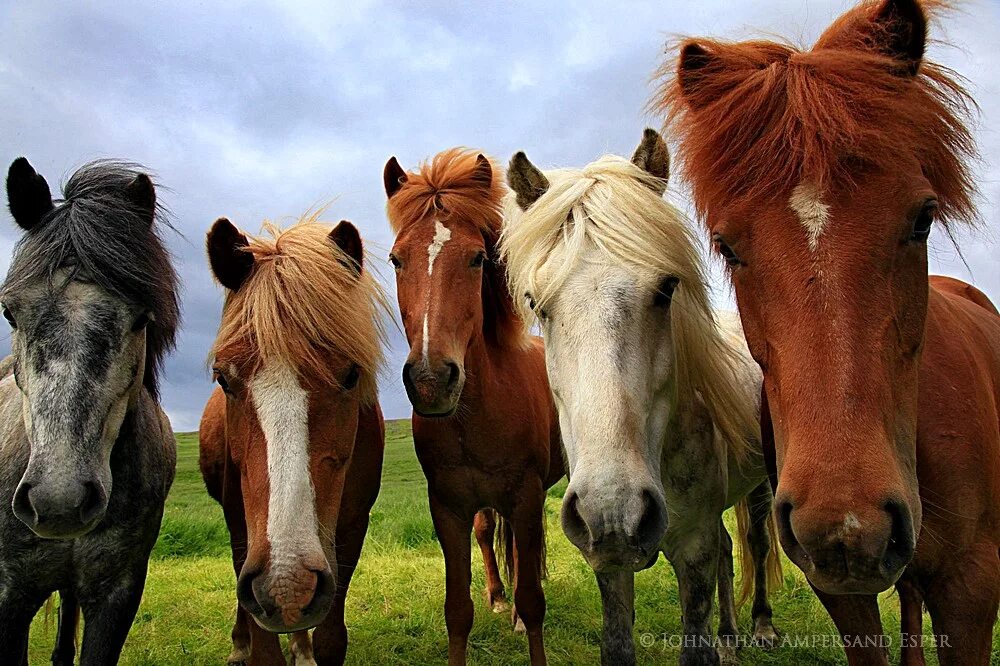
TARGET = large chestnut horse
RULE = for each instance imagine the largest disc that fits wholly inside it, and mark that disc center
(484, 425)
(820, 175)
(292, 439)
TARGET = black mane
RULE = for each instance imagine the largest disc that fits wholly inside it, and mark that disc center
(97, 230)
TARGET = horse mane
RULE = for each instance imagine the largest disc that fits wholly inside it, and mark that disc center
(770, 116)
(303, 301)
(97, 231)
(446, 187)
(613, 204)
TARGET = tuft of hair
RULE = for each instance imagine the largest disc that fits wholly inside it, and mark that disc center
(449, 187)
(614, 204)
(302, 303)
(767, 116)
(99, 232)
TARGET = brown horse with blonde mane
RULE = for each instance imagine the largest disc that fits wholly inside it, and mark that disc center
(292, 439)
(820, 175)
(484, 425)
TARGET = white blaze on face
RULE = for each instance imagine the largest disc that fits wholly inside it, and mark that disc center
(442, 235)
(807, 202)
(283, 412)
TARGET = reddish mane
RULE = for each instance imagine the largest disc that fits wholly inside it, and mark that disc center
(760, 117)
(448, 187)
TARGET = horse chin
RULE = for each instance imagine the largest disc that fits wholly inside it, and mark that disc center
(850, 584)
(57, 533)
(617, 561)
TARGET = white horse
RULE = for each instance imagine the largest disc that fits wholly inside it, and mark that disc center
(658, 398)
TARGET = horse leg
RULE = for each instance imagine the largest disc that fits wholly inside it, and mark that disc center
(485, 526)
(529, 546)
(108, 612)
(453, 534)
(64, 653)
(729, 635)
(330, 637)
(760, 502)
(618, 604)
(696, 563)
(241, 639)
(301, 648)
(858, 621)
(963, 602)
(16, 612)
(911, 612)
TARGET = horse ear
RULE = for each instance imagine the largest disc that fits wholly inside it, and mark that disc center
(28, 195)
(653, 157)
(393, 177)
(231, 262)
(527, 182)
(693, 67)
(143, 195)
(899, 30)
(483, 174)
(345, 236)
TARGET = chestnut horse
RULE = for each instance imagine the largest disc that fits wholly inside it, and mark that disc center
(292, 439)
(484, 426)
(820, 175)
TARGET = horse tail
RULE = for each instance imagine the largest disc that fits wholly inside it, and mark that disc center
(505, 547)
(775, 576)
(747, 565)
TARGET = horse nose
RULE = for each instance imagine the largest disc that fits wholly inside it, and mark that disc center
(862, 551)
(612, 531)
(290, 601)
(433, 387)
(60, 510)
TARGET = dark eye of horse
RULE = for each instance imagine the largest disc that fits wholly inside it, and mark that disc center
(541, 314)
(925, 220)
(665, 291)
(394, 260)
(141, 322)
(352, 378)
(478, 260)
(727, 252)
(220, 379)
(9, 317)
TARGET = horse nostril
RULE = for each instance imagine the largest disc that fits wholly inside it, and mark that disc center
(246, 593)
(453, 374)
(22, 506)
(899, 549)
(93, 502)
(652, 522)
(573, 523)
(786, 533)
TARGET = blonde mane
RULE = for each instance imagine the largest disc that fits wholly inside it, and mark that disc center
(612, 203)
(302, 302)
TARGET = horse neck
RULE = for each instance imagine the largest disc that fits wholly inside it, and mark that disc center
(484, 362)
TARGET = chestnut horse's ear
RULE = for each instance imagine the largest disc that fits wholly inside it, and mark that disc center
(142, 194)
(653, 157)
(231, 262)
(345, 236)
(899, 30)
(28, 195)
(527, 182)
(693, 66)
(393, 177)
(483, 174)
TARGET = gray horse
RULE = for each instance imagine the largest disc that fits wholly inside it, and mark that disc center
(86, 454)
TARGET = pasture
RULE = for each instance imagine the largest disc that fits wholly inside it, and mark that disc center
(394, 610)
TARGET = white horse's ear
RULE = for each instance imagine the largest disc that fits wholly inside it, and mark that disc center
(653, 157)
(525, 179)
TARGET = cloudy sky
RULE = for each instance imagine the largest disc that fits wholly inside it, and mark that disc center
(256, 110)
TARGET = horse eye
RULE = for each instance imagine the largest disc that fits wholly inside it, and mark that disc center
(220, 379)
(665, 291)
(141, 322)
(396, 263)
(478, 260)
(925, 220)
(352, 378)
(727, 252)
(9, 317)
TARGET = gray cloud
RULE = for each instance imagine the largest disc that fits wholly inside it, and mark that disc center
(262, 111)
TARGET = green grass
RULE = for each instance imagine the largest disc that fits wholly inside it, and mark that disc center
(394, 610)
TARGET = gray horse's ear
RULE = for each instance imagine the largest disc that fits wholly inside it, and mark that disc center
(142, 194)
(346, 237)
(227, 254)
(653, 157)
(393, 177)
(525, 179)
(28, 195)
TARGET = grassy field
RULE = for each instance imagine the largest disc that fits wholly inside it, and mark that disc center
(395, 604)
